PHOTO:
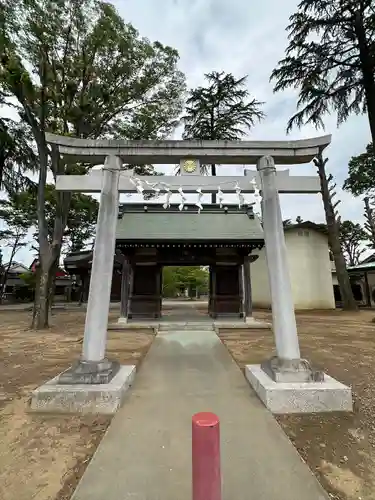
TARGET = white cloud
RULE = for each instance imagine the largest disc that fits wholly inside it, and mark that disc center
(249, 38)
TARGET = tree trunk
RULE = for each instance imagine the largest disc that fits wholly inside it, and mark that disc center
(41, 303)
(52, 282)
(49, 248)
(348, 301)
(41, 309)
(213, 195)
(368, 69)
(49, 252)
(370, 220)
(44, 290)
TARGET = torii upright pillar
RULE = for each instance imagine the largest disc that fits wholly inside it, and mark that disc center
(93, 367)
(287, 365)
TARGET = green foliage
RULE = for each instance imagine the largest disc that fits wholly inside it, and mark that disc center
(16, 155)
(29, 279)
(74, 67)
(330, 60)
(361, 181)
(369, 215)
(12, 212)
(81, 221)
(352, 238)
(178, 279)
(91, 73)
(14, 235)
(361, 178)
(16, 225)
(170, 286)
(26, 293)
(221, 110)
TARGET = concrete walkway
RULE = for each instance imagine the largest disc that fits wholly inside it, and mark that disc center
(175, 304)
(146, 453)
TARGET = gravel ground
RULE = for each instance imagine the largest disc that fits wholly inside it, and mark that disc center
(43, 457)
(339, 448)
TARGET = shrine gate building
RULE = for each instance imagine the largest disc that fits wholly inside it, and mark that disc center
(150, 237)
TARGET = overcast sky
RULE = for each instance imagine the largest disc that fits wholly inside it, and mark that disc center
(245, 37)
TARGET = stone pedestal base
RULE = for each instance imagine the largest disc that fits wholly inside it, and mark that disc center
(295, 370)
(53, 397)
(299, 397)
(90, 372)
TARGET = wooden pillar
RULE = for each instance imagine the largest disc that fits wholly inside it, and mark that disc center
(368, 293)
(248, 302)
(131, 289)
(210, 291)
(125, 275)
(159, 286)
(241, 290)
(213, 311)
(161, 290)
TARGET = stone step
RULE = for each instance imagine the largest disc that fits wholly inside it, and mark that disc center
(186, 333)
(185, 326)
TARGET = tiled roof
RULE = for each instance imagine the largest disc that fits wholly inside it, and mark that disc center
(321, 228)
(365, 266)
(157, 224)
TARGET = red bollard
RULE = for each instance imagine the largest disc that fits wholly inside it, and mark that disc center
(206, 456)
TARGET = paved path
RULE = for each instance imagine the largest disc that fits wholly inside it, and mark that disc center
(175, 304)
(146, 453)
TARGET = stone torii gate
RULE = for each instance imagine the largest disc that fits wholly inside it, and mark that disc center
(287, 367)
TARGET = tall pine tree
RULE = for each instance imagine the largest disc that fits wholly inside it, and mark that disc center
(361, 181)
(330, 59)
(222, 110)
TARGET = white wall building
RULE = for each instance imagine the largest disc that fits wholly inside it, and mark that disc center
(309, 269)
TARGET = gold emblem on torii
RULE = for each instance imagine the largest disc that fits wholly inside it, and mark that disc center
(189, 166)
